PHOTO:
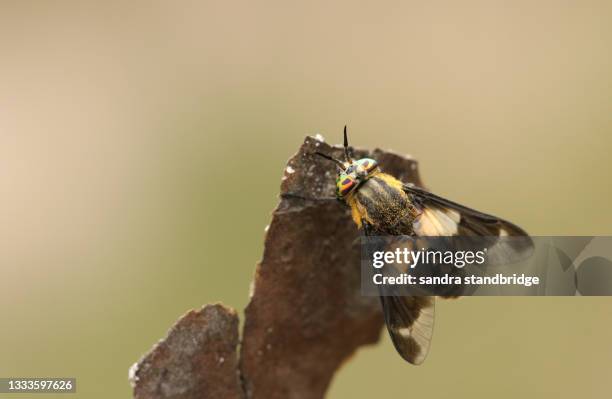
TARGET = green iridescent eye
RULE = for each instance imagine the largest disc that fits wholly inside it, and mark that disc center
(344, 184)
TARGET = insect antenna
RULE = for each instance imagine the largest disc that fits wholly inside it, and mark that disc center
(346, 147)
(338, 162)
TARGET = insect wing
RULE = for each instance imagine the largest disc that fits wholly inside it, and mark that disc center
(506, 242)
(410, 322)
(409, 319)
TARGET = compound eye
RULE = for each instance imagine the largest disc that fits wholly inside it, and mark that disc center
(368, 164)
(344, 185)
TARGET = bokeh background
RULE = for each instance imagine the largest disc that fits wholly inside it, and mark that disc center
(142, 146)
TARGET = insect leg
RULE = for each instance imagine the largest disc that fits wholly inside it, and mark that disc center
(367, 228)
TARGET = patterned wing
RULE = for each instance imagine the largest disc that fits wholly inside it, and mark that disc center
(409, 320)
(442, 217)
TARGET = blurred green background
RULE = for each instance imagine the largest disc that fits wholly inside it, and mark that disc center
(139, 140)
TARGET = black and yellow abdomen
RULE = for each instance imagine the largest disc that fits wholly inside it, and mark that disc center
(383, 204)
